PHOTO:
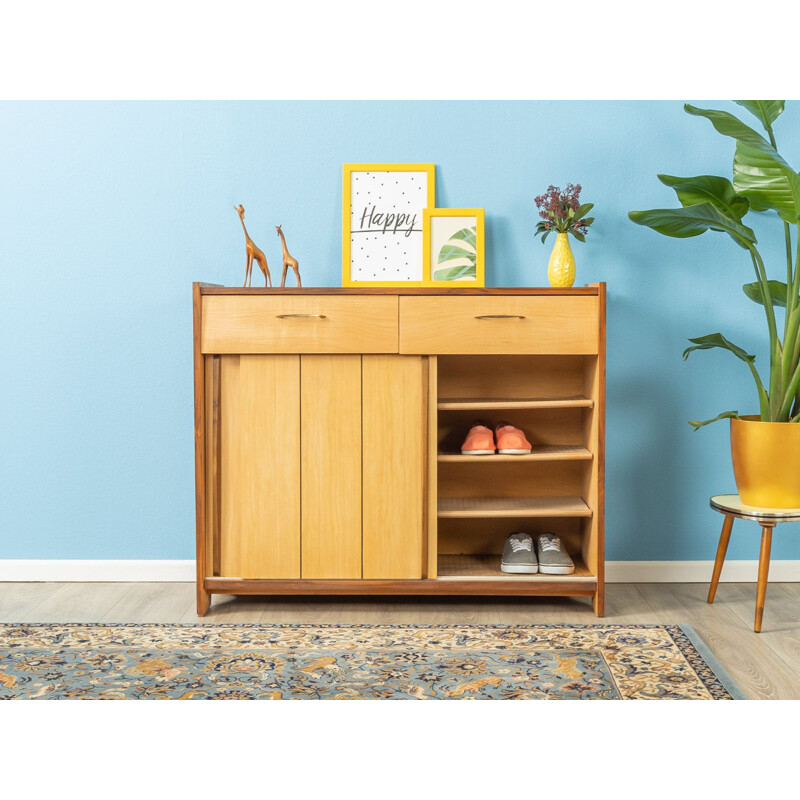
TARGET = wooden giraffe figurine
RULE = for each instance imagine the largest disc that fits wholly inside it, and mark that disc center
(253, 253)
(288, 261)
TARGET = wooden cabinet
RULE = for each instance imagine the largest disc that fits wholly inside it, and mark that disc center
(328, 425)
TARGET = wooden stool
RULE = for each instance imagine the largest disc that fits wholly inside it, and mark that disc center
(731, 506)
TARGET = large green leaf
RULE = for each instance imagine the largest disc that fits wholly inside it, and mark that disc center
(759, 171)
(708, 188)
(767, 184)
(724, 415)
(777, 291)
(767, 111)
(728, 125)
(713, 340)
(692, 221)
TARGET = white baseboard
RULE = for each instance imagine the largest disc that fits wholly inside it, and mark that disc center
(97, 570)
(697, 571)
(163, 570)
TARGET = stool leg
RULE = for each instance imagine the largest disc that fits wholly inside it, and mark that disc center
(763, 572)
(722, 549)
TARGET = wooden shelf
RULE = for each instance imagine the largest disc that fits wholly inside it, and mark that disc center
(454, 507)
(552, 452)
(487, 567)
(480, 403)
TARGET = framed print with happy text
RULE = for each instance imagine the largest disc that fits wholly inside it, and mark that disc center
(382, 223)
(453, 246)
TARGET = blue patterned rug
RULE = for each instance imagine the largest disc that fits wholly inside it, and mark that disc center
(342, 662)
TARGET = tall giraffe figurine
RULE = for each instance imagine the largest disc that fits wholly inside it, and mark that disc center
(253, 253)
(288, 261)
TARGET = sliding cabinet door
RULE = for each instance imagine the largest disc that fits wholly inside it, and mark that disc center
(394, 436)
(260, 466)
(330, 414)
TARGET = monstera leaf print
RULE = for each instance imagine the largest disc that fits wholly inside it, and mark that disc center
(457, 257)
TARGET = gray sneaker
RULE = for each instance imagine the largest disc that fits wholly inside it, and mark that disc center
(518, 555)
(552, 558)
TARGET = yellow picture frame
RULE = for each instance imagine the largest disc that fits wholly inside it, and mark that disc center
(403, 248)
(458, 262)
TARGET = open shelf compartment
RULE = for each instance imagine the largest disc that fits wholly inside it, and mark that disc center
(479, 500)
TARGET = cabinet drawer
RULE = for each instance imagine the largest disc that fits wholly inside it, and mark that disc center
(499, 324)
(298, 324)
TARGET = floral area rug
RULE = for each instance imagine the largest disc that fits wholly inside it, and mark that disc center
(342, 662)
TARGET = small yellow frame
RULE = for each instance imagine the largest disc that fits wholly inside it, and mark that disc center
(348, 170)
(427, 269)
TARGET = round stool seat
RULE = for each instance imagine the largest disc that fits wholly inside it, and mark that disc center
(731, 504)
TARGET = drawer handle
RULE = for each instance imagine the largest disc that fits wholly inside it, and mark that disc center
(304, 316)
(499, 316)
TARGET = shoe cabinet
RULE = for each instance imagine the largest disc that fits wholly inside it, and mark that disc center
(328, 426)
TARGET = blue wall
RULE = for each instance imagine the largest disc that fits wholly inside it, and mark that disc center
(110, 210)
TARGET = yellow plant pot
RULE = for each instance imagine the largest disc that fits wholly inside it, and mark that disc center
(766, 462)
(561, 267)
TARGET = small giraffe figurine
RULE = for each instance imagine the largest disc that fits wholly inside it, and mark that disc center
(288, 261)
(253, 253)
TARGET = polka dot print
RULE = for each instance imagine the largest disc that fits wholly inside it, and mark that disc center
(378, 251)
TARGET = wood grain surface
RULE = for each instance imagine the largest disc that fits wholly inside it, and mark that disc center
(560, 325)
(395, 446)
(299, 324)
(330, 466)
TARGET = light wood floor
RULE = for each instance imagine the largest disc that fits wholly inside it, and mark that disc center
(765, 665)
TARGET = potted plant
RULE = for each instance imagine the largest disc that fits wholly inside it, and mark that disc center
(765, 447)
(563, 213)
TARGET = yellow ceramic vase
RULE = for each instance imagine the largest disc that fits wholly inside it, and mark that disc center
(766, 462)
(561, 267)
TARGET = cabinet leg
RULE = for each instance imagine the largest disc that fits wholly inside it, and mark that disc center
(599, 603)
(763, 572)
(722, 549)
(203, 601)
